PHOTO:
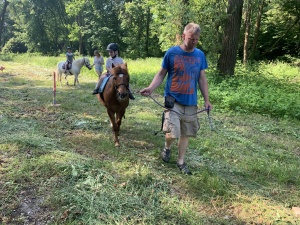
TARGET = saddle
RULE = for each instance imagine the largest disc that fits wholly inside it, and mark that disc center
(69, 66)
(103, 84)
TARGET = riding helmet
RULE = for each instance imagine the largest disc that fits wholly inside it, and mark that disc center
(112, 47)
(68, 48)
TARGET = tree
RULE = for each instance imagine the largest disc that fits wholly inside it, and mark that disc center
(257, 27)
(227, 59)
(144, 28)
(136, 22)
(170, 17)
(248, 13)
(280, 29)
(40, 24)
(3, 13)
(76, 11)
(102, 24)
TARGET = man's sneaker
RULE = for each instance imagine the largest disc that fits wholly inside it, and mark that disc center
(165, 155)
(184, 169)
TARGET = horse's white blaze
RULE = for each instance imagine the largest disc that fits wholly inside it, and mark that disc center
(121, 75)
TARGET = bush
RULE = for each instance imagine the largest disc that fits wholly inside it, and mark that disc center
(269, 89)
(14, 45)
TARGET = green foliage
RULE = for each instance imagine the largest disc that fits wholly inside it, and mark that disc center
(169, 19)
(136, 22)
(14, 45)
(280, 29)
(102, 24)
(40, 24)
(211, 15)
(270, 89)
(144, 28)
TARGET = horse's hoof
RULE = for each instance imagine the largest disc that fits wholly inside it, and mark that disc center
(117, 144)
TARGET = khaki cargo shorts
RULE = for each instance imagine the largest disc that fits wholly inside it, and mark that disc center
(181, 121)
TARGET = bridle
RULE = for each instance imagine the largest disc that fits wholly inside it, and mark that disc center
(87, 64)
(126, 85)
(122, 84)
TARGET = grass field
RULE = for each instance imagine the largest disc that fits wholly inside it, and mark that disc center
(58, 163)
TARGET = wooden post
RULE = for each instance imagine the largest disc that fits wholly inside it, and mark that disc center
(54, 88)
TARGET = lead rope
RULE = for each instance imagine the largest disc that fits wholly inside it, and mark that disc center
(199, 111)
(212, 127)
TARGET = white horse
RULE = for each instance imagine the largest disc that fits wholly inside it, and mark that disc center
(75, 69)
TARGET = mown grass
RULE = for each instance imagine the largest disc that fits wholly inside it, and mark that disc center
(63, 159)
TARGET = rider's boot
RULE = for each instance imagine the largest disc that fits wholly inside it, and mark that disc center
(96, 90)
(131, 95)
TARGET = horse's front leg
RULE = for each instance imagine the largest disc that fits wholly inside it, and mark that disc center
(115, 127)
(120, 115)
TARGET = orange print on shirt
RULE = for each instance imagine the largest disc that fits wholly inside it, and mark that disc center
(182, 74)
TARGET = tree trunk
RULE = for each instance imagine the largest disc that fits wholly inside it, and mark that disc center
(80, 36)
(247, 30)
(227, 60)
(148, 31)
(257, 28)
(2, 21)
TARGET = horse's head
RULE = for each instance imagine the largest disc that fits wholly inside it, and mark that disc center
(121, 81)
(87, 63)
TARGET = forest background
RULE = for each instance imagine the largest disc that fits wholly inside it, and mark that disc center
(231, 30)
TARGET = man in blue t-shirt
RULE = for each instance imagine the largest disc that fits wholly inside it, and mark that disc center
(185, 66)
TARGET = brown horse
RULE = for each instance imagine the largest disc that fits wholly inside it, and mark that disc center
(115, 97)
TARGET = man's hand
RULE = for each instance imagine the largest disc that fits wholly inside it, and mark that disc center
(146, 91)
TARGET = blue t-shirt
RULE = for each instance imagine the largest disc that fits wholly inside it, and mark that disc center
(70, 56)
(183, 74)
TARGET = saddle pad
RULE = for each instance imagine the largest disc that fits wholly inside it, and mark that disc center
(103, 83)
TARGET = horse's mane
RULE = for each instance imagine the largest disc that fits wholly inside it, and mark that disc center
(122, 68)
